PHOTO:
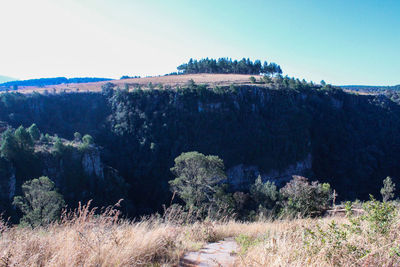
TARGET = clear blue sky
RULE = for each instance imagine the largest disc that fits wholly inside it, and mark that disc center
(340, 41)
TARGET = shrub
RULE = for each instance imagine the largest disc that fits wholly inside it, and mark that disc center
(77, 136)
(59, 147)
(379, 215)
(191, 83)
(302, 198)
(252, 79)
(88, 139)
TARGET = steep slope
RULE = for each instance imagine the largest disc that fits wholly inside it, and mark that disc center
(347, 140)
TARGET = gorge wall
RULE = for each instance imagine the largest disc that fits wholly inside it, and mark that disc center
(350, 141)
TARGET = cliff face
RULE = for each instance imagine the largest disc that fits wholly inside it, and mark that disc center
(347, 140)
(92, 164)
(79, 174)
(241, 176)
(87, 164)
(7, 181)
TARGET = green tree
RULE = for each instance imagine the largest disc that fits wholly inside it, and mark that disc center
(264, 194)
(197, 178)
(387, 191)
(33, 130)
(59, 146)
(77, 136)
(41, 204)
(9, 145)
(266, 79)
(252, 79)
(23, 138)
(323, 83)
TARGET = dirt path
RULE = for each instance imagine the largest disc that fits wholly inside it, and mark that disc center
(222, 253)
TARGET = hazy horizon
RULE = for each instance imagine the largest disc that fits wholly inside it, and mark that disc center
(341, 42)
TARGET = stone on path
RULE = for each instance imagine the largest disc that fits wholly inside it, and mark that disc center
(217, 254)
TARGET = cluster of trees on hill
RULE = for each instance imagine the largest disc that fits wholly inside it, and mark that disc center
(225, 65)
(123, 77)
(51, 81)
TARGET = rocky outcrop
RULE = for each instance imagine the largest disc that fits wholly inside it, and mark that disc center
(92, 164)
(7, 181)
(240, 177)
(87, 160)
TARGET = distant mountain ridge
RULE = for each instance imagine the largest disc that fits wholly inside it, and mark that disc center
(371, 88)
(52, 81)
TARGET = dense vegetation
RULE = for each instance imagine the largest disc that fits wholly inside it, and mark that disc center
(266, 127)
(225, 65)
(83, 237)
(27, 153)
(50, 81)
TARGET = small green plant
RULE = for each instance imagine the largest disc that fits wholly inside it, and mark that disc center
(348, 207)
(252, 79)
(245, 242)
(379, 215)
(334, 240)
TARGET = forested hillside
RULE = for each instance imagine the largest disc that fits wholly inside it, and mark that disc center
(273, 131)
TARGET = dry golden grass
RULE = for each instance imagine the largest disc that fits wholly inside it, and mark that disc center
(84, 239)
(173, 81)
(317, 242)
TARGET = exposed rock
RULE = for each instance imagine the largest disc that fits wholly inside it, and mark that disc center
(241, 176)
(222, 253)
(92, 164)
(11, 185)
(7, 181)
